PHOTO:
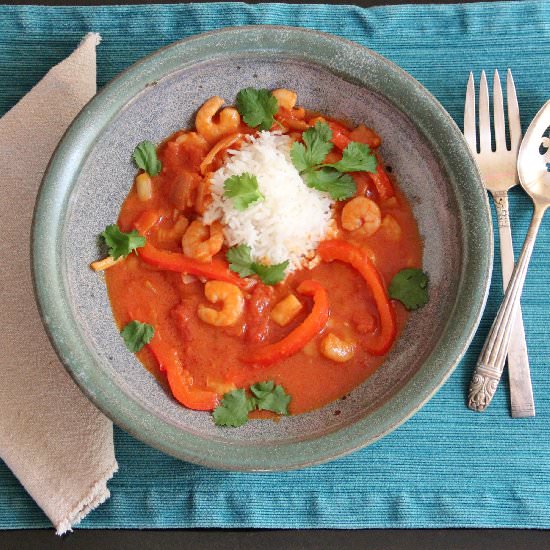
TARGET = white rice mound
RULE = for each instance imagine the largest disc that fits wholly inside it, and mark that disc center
(291, 220)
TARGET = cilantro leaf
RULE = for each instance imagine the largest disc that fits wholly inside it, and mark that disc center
(257, 107)
(270, 397)
(243, 189)
(356, 157)
(240, 260)
(307, 158)
(339, 186)
(410, 287)
(145, 157)
(136, 335)
(234, 408)
(262, 389)
(316, 147)
(270, 274)
(121, 244)
(298, 156)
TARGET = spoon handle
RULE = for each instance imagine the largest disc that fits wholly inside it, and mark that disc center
(490, 363)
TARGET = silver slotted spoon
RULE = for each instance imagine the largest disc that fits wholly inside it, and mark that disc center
(534, 176)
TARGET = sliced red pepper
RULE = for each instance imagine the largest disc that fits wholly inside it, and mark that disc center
(301, 335)
(382, 182)
(345, 252)
(340, 135)
(217, 270)
(179, 378)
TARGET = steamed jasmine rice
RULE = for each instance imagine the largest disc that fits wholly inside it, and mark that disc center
(291, 220)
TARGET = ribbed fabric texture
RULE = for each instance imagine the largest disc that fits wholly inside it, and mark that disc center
(447, 466)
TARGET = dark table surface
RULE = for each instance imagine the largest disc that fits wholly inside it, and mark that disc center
(212, 539)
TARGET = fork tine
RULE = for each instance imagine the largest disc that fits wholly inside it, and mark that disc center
(498, 114)
(470, 115)
(513, 112)
(484, 118)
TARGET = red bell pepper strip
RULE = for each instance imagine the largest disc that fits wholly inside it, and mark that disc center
(340, 135)
(382, 183)
(343, 251)
(175, 261)
(301, 335)
(179, 378)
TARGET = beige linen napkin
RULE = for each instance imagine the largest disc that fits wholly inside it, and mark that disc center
(53, 439)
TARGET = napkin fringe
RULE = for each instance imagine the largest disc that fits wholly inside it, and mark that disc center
(97, 495)
(89, 36)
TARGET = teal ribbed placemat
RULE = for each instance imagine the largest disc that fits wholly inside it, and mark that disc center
(447, 466)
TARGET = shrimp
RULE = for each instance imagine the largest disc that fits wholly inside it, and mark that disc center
(336, 349)
(194, 140)
(228, 121)
(361, 213)
(285, 98)
(201, 241)
(174, 233)
(233, 304)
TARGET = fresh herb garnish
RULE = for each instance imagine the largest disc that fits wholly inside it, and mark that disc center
(410, 287)
(316, 147)
(240, 261)
(308, 157)
(270, 274)
(119, 243)
(257, 107)
(270, 397)
(145, 157)
(136, 335)
(235, 406)
(340, 186)
(243, 189)
(356, 157)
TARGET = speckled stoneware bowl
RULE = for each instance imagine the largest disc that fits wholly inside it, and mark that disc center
(91, 173)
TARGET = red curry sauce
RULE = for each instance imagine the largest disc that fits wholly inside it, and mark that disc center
(213, 356)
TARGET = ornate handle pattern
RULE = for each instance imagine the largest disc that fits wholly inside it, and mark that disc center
(501, 205)
(521, 391)
(491, 360)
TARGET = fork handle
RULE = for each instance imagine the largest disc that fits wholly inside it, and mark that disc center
(491, 360)
(521, 391)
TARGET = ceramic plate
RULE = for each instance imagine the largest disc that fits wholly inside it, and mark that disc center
(91, 173)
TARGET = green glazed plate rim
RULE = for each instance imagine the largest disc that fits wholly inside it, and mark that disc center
(409, 96)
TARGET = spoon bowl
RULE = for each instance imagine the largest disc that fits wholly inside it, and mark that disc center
(534, 158)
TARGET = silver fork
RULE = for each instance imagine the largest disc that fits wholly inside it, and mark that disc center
(499, 174)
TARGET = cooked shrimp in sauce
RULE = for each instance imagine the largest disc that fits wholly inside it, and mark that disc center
(265, 254)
